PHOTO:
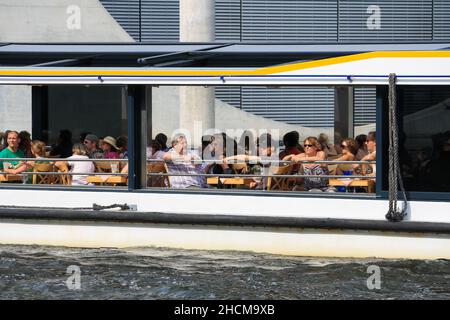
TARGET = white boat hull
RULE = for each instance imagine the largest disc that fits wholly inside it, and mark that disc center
(299, 241)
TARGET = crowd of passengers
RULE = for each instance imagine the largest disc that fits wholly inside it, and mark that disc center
(217, 155)
(15, 144)
(219, 152)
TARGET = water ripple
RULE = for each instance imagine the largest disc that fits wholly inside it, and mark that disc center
(33, 272)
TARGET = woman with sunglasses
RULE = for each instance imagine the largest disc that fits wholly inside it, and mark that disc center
(313, 152)
(349, 149)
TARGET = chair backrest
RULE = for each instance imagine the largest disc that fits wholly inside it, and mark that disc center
(279, 183)
(157, 181)
(44, 167)
(44, 178)
(64, 179)
(102, 166)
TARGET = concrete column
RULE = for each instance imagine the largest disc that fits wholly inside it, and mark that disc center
(196, 103)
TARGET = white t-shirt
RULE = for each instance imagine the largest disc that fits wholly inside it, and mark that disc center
(85, 167)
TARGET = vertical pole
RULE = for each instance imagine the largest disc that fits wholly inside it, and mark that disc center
(343, 113)
(39, 111)
(382, 165)
(139, 99)
(197, 104)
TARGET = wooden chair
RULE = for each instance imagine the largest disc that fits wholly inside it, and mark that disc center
(63, 179)
(279, 183)
(102, 166)
(158, 181)
(44, 178)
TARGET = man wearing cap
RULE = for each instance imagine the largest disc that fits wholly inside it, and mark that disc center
(90, 141)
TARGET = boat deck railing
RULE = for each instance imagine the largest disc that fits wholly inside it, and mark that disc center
(271, 164)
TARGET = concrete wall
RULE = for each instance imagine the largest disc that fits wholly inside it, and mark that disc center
(15, 108)
(58, 21)
(48, 21)
(227, 118)
(165, 110)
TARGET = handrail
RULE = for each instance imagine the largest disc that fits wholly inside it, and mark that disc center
(218, 161)
(267, 161)
(234, 175)
(191, 174)
(218, 175)
(65, 173)
(60, 159)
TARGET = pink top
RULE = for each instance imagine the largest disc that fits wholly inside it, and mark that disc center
(111, 155)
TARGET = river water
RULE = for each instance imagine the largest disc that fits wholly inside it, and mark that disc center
(36, 272)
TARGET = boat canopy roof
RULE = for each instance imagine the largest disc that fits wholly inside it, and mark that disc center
(223, 63)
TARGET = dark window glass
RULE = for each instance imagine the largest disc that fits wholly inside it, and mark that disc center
(424, 115)
(95, 109)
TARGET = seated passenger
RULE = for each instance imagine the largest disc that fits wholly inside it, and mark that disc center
(83, 135)
(329, 149)
(291, 144)
(261, 163)
(122, 145)
(110, 149)
(371, 143)
(90, 142)
(25, 143)
(13, 151)
(156, 151)
(362, 147)
(84, 168)
(218, 149)
(38, 151)
(313, 152)
(349, 149)
(179, 160)
(162, 139)
(2, 140)
(63, 148)
(266, 153)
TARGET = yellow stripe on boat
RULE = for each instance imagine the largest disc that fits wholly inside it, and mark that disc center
(224, 72)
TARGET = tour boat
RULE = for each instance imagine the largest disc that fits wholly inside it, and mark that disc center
(340, 224)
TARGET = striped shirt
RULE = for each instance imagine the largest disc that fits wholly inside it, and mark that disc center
(180, 167)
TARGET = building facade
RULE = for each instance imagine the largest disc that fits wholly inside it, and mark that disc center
(308, 21)
(286, 21)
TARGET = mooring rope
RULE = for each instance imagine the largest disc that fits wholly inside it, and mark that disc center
(395, 176)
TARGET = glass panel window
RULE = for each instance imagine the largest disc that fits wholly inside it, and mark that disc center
(425, 137)
(272, 141)
(78, 137)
